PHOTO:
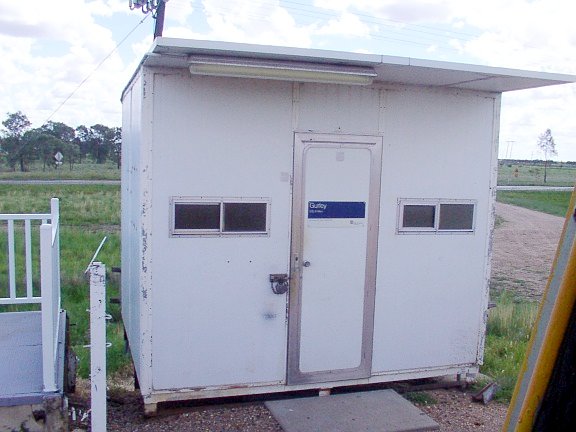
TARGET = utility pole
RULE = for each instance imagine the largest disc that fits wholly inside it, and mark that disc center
(157, 7)
(159, 26)
(509, 147)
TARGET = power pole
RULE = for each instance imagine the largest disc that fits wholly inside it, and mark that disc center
(159, 26)
(157, 7)
(509, 149)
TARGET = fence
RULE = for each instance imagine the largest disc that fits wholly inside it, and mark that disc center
(48, 258)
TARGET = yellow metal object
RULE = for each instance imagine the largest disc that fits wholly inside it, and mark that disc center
(557, 303)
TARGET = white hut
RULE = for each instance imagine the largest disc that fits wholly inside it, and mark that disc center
(297, 219)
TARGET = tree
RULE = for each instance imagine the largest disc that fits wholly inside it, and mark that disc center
(15, 146)
(65, 142)
(102, 142)
(548, 146)
(46, 146)
(19, 144)
(83, 141)
(59, 130)
(117, 146)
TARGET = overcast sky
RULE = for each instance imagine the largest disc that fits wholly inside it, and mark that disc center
(48, 49)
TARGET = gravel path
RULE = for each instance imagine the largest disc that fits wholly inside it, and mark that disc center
(523, 249)
(454, 411)
(524, 246)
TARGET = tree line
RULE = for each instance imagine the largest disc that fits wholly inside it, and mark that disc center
(55, 143)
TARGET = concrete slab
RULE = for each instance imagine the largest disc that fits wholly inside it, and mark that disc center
(379, 410)
(20, 353)
(21, 380)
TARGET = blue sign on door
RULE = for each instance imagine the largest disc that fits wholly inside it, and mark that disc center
(336, 210)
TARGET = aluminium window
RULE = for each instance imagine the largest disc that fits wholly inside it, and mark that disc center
(456, 217)
(196, 216)
(418, 216)
(435, 216)
(193, 216)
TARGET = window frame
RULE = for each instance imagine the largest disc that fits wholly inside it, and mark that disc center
(221, 201)
(436, 203)
(188, 231)
(405, 203)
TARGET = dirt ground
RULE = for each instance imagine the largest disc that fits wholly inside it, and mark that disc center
(523, 249)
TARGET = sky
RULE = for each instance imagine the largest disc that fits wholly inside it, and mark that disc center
(68, 60)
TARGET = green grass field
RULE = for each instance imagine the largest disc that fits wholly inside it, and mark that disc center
(88, 213)
(553, 202)
(519, 174)
(83, 171)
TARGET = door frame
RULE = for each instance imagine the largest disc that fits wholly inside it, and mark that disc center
(302, 142)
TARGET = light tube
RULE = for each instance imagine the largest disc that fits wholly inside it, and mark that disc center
(284, 71)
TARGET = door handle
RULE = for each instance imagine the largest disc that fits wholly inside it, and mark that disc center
(306, 264)
(279, 283)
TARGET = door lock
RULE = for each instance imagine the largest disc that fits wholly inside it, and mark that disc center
(306, 264)
(279, 283)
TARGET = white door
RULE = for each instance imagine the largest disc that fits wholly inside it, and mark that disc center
(333, 269)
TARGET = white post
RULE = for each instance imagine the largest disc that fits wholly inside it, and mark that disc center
(56, 299)
(11, 260)
(47, 288)
(98, 345)
(55, 222)
(28, 251)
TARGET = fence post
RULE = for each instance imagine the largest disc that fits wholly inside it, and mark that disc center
(98, 345)
(55, 222)
(47, 289)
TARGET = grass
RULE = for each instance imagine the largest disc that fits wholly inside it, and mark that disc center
(525, 174)
(88, 213)
(84, 171)
(498, 221)
(87, 206)
(507, 334)
(510, 323)
(420, 398)
(553, 202)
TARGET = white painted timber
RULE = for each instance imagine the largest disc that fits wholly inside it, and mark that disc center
(50, 288)
(49, 258)
(98, 346)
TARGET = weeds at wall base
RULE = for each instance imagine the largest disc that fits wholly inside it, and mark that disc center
(507, 334)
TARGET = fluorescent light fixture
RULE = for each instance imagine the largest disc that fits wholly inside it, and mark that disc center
(281, 70)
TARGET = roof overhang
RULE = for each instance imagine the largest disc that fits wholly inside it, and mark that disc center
(170, 52)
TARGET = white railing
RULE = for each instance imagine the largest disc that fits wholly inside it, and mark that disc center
(49, 260)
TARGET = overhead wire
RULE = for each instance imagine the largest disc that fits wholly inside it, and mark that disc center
(98, 66)
(413, 34)
(298, 9)
(425, 29)
(425, 35)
